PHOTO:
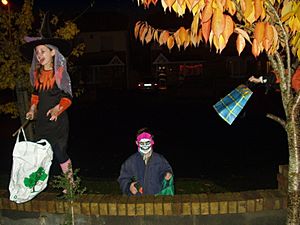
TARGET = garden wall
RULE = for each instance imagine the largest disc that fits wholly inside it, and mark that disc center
(260, 207)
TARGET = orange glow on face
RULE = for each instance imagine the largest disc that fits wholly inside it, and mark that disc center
(4, 2)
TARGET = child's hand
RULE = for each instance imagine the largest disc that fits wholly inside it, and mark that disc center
(54, 112)
(30, 114)
(254, 80)
(168, 176)
(132, 188)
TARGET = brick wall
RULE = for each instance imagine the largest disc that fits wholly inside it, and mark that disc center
(195, 204)
(178, 205)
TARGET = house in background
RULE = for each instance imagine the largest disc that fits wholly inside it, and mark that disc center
(104, 64)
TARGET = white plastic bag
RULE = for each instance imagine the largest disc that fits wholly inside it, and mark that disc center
(30, 169)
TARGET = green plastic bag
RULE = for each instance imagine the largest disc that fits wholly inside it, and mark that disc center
(168, 187)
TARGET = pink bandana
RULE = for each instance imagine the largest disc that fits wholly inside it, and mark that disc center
(145, 135)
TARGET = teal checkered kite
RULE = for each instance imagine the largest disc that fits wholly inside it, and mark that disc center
(232, 104)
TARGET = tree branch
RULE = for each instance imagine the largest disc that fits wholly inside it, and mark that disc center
(277, 119)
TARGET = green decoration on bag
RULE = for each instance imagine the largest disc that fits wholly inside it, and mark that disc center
(168, 187)
(35, 177)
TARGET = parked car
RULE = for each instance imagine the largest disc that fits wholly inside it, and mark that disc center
(148, 84)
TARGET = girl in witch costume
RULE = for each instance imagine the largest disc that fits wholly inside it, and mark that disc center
(52, 93)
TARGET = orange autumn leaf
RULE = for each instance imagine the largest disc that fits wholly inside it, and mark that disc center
(164, 35)
(180, 2)
(170, 42)
(149, 35)
(240, 43)
(243, 33)
(259, 32)
(268, 36)
(182, 34)
(155, 36)
(218, 22)
(258, 8)
(177, 39)
(154, 2)
(229, 28)
(207, 13)
(137, 29)
(147, 3)
(206, 27)
(255, 49)
(143, 31)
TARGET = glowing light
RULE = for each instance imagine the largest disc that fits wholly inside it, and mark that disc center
(4, 2)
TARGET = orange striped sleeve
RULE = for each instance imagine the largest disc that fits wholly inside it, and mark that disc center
(64, 104)
(34, 99)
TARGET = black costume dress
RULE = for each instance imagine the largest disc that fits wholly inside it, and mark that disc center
(55, 132)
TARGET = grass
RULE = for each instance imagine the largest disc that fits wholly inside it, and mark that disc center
(111, 186)
(231, 183)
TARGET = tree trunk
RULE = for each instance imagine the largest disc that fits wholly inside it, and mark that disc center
(293, 132)
(23, 106)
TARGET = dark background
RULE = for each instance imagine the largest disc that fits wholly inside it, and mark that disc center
(188, 132)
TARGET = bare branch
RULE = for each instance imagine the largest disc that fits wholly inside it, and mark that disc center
(277, 119)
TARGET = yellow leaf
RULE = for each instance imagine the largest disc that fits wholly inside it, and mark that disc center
(211, 36)
(218, 22)
(193, 39)
(222, 43)
(216, 43)
(195, 24)
(170, 42)
(297, 13)
(240, 43)
(296, 26)
(287, 8)
(287, 16)
(191, 3)
(248, 8)
(169, 3)
(230, 7)
(179, 9)
(196, 9)
(251, 17)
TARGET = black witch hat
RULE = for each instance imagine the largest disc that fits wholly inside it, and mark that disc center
(45, 38)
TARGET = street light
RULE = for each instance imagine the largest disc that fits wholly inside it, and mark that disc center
(5, 2)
